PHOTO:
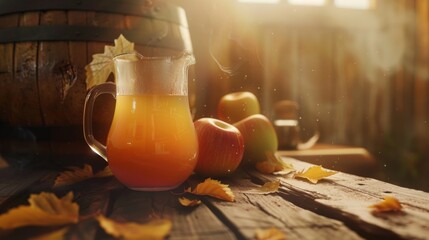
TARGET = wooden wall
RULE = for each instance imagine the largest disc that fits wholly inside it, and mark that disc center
(360, 77)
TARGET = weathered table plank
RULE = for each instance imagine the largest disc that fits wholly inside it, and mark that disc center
(336, 207)
(94, 197)
(14, 181)
(252, 211)
(188, 223)
(348, 197)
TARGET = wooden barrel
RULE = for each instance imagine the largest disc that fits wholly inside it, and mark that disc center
(45, 46)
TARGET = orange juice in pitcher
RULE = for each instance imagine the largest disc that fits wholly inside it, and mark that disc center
(152, 144)
(152, 141)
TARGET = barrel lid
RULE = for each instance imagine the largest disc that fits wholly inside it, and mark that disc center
(146, 8)
(159, 10)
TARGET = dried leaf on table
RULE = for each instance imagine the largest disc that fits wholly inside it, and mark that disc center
(389, 204)
(75, 175)
(270, 234)
(156, 229)
(106, 172)
(314, 174)
(99, 69)
(45, 209)
(213, 188)
(267, 188)
(189, 202)
(274, 164)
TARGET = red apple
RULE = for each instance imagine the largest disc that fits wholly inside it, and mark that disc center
(236, 106)
(221, 147)
(259, 138)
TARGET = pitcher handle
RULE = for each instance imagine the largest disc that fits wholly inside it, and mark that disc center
(94, 144)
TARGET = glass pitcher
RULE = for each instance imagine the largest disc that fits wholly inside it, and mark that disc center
(151, 144)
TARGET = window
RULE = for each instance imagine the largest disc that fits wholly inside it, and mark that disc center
(307, 2)
(351, 4)
(356, 4)
(260, 1)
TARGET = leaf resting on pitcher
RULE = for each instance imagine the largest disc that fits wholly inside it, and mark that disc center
(101, 65)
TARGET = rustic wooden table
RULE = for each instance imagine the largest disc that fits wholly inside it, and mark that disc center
(354, 160)
(335, 208)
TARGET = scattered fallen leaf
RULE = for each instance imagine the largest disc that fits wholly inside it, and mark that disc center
(101, 65)
(267, 188)
(274, 164)
(45, 209)
(315, 173)
(389, 204)
(189, 202)
(75, 175)
(55, 235)
(270, 234)
(213, 188)
(156, 229)
(106, 172)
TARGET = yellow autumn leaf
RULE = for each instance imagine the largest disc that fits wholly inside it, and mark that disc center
(106, 172)
(101, 65)
(75, 175)
(213, 188)
(267, 188)
(45, 209)
(156, 229)
(189, 202)
(388, 204)
(273, 164)
(315, 173)
(270, 234)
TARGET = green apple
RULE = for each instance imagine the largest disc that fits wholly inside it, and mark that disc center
(236, 106)
(259, 138)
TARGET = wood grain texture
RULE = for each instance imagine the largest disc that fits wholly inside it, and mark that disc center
(52, 57)
(47, 86)
(105, 104)
(6, 68)
(93, 197)
(73, 100)
(188, 223)
(252, 211)
(24, 95)
(13, 182)
(421, 89)
(335, 208)
(348, 197)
